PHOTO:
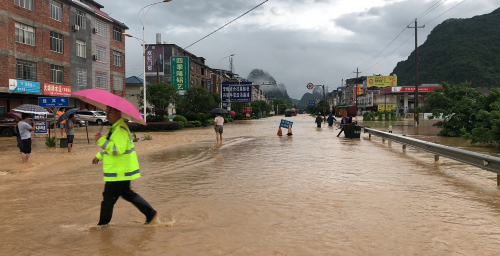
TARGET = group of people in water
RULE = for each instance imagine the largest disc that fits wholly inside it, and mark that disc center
(345, 120)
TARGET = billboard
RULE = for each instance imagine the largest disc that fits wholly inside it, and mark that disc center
(24, 86)
(359, 90)
(237, 92)
(154, 53)
(179, 70)
(389, 107)
(381, 81)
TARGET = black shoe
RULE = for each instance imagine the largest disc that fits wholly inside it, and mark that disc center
(155, 218)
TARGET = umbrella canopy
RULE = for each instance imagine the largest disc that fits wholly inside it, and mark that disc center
(103, 99)
(66, 115)
(29, 108)
(14, 115)
(219, 111)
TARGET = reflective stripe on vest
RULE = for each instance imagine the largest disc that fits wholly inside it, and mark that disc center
(127, 174)
(128, 152)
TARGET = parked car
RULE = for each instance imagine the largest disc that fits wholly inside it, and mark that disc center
(79, 121)
(92, 116)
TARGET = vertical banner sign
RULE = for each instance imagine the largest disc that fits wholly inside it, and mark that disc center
(41, 123)
(180, 73)
(154, 53)
(209, 85)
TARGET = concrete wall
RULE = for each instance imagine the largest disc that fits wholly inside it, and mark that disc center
(84, 34)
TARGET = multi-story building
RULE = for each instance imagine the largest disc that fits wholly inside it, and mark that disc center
(47, 49)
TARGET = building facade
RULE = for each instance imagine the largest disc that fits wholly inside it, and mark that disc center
(47, 50)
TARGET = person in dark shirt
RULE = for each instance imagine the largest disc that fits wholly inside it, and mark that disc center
(319, 120)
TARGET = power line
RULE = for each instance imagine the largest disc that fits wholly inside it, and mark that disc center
(390, 53)
(444, 12)
(227, 24)
(429, 10)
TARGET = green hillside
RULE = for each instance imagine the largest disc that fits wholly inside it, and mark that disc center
(456, 51)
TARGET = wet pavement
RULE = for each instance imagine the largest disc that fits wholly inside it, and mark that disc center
(256, 194)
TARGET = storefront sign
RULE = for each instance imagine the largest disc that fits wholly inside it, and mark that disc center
(404, 89)
(388, 107)
(24, 86)
(56, 90)
(41, 123)
(179, 71)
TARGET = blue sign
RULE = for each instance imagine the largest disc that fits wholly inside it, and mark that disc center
(312, 103)
(284, 123)
(339, 88)
(237, 92)
(40, 123)
(24, 86)
(209, 85)
(53, 102)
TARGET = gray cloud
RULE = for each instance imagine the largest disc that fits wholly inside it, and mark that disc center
(293, 56)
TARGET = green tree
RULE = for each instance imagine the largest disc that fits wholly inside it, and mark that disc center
(198, 100)
(487, 125)
(460, 104)
(160, 95)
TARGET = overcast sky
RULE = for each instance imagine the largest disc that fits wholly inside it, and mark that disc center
(296, 41)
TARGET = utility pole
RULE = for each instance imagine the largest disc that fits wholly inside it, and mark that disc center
(324, 105)
(415, 100)
(356, 88)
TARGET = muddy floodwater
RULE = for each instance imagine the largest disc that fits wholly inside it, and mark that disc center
(256, 194)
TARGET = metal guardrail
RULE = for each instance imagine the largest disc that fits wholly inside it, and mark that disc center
(489, 163)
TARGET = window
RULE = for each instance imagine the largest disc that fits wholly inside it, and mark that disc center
(101, 80)
(117, 34)
(56, 74)
(101, 27)
(117, 58)
(25, 34)
(81, 77)
(100, 52)
(80, 19)
(81, 49)
(56, 42)
(55, 10)
(26, 70)
(118, 83)
(27, 4)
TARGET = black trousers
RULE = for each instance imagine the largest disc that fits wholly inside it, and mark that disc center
(112, 191)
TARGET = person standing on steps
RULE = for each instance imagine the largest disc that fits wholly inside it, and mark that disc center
(218, 123)
(121, 166)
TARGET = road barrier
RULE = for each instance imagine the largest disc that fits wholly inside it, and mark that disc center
(486, 162)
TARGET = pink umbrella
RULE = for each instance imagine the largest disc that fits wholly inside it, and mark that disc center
(102, 99)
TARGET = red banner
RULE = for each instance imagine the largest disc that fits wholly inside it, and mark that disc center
(56, 90)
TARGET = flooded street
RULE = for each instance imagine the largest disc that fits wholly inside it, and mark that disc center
(257, 194)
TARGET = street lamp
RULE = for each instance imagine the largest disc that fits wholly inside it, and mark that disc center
(220, 74)
(144, 12)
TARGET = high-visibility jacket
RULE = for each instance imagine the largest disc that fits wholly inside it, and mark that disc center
(119, 156)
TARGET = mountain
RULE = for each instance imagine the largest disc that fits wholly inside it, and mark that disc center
(456, 51)
(268, 84)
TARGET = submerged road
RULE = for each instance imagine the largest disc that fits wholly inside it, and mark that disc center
(257, 194)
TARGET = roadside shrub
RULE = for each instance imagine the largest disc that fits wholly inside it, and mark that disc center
(393, 116)
(182, 119)
(154, 119)
(238, 116)
(211, 121)
(135, 127)
(193, 124)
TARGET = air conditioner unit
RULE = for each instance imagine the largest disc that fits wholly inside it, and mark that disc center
(94, 30)
(76, 27)
(94, 57)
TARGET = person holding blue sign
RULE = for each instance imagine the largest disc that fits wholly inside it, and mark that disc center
(25, 132)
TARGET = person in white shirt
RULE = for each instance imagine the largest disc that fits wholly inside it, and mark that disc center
(219, 121)
(25, 132)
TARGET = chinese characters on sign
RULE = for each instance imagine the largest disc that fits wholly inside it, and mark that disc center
(53, 102)
(381, 81)
(388, 107)
(284, 123)
(154, 54)
(56, 90)
(179, 70)
(24, 86)
(41, 123)
(237, 92)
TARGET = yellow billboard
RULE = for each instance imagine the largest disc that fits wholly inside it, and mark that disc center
(381, 81)
(389, 107)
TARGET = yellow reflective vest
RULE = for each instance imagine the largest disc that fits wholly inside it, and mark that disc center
(119, 156)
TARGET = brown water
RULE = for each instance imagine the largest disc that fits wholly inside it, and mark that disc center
(257, 194)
